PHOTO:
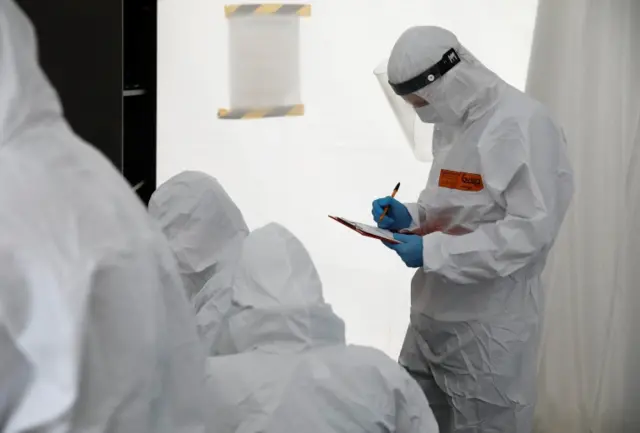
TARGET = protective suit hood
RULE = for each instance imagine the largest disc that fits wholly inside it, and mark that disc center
(461, 95)
(277, 297)
(291, 370)
(94, 334)
(203, 225)
(26, 96)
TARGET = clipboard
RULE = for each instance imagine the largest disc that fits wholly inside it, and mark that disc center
(367, 230)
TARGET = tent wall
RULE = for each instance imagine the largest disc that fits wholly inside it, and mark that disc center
(585, 66)
(345, 151)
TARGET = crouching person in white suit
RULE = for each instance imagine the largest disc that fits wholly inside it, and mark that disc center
(204, 226)
(205, 229)
(293, 371)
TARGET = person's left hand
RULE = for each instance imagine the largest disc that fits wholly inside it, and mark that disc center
(410, 250)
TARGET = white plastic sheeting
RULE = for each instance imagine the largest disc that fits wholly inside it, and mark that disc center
(264, 61)
(348, 148)
(585, 66)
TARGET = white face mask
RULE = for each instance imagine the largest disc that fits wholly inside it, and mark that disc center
(428, 114)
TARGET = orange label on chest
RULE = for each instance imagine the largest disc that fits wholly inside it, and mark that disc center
(460, 181)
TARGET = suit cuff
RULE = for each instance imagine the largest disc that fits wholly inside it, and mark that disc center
(414, 211)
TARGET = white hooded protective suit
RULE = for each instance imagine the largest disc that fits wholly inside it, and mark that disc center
(206, 230)
(293, 371)
(497, 193)
(94, 335)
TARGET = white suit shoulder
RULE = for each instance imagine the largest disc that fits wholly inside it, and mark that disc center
(512, 117)
(293, 371)
(90, 294)
(522, 133)
(413, 413)
(369, 387)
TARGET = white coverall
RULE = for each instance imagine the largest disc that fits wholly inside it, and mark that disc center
(293, 371)
(497, 193)
(205, 229)
(95, 334)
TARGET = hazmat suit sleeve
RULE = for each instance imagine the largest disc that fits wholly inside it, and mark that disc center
(417, 215)
(525, 170)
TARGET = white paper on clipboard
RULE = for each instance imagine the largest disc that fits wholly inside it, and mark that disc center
(367, 230)
(374, 231)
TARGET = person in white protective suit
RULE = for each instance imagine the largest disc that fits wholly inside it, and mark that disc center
(293, 371)
(480, 233)
(205, 229)
(95, 333)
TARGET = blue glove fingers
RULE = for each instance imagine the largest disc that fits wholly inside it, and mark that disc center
(398, 215)
(379, 205)
(391, 246)
(386, 223)
(410, 250)
(405, 239)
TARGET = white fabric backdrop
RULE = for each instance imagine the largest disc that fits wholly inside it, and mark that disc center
(345, 151)
(264, 61)
(585, 66)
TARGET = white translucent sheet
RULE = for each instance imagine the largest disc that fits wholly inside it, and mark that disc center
(344, 152)
(264, 61)
(585, 67)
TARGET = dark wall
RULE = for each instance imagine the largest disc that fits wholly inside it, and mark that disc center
(140, 60)
(101, 57)
(80, 48)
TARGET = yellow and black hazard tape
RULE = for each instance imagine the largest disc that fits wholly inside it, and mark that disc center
(301, 10)
(284, 111)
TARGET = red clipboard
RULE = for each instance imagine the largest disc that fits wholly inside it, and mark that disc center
(367, 230)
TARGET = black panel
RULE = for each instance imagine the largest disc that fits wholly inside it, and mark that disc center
(80, 46)
(101, 57)
(140, 29)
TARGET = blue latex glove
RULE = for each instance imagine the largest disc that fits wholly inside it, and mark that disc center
(397, 218)
(410, 250)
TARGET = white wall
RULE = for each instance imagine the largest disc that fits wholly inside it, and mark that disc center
(347, 149)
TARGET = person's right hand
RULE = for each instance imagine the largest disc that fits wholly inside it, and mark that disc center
(397, 218)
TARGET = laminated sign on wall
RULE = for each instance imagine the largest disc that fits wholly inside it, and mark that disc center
(264, 60)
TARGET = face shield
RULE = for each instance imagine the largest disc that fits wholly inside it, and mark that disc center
(417, 133)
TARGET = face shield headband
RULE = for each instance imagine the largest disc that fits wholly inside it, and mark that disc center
(448, 61)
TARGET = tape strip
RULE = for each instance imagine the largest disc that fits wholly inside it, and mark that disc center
(302, 10)
(285, 111)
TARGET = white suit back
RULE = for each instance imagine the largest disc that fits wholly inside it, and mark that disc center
(205, 229)
(292, 370)
(95, 332)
